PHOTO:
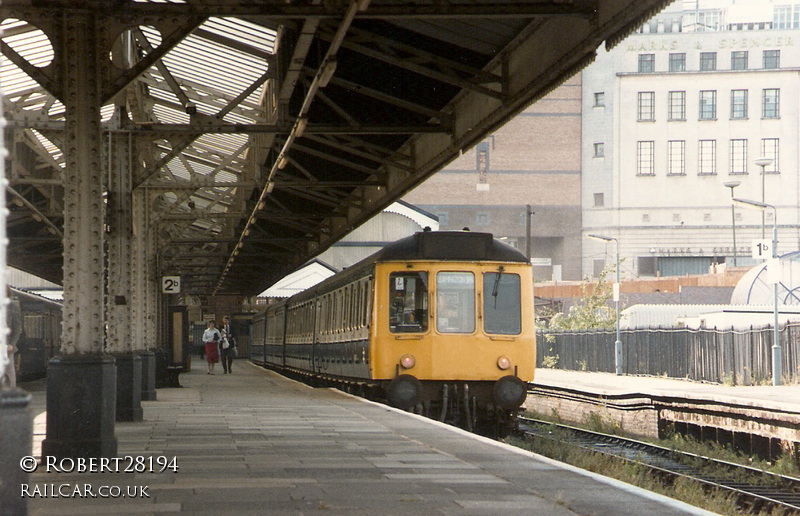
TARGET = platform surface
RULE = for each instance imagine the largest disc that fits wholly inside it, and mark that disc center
(781, 397)
(257, 443)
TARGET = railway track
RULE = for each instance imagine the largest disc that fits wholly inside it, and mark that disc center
(755, 490)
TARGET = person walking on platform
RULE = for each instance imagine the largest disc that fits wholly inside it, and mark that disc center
(14, 321)
(211, 337)
(227, 346)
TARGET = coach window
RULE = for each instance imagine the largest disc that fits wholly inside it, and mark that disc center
(501, 303)
(408, 302)
(455, 302)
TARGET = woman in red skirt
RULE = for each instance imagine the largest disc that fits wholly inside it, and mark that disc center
(211, 338)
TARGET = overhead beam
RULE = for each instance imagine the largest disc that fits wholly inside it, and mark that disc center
(412, 65)
(321, 78)
(136, 12)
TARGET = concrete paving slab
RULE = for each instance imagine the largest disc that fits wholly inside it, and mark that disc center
(257, 443)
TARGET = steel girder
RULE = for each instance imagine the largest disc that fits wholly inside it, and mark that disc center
(263, 131)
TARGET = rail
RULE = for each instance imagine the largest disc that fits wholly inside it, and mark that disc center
(754, 489)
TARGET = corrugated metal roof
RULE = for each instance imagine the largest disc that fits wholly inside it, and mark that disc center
(407, 86)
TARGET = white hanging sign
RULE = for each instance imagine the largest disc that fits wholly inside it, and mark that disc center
(170, 284)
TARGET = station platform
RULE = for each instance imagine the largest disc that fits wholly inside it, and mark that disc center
(744, 415)
(257, 443)
(781, 397)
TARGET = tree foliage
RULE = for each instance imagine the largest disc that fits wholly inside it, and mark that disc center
(591, 311)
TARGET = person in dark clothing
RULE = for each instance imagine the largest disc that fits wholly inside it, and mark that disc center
(227, 346)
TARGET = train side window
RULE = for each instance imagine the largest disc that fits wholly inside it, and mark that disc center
(455, 302)
(408, 302)
(501, 303)
(357, 305)
(367, 298)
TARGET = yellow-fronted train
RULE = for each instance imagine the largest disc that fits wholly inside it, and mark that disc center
(440, 323)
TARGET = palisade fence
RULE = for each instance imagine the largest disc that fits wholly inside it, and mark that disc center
(739, 357)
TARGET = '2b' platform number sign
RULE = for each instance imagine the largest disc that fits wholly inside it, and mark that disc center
(171, 285)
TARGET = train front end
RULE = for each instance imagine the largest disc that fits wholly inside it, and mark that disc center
(453, 329)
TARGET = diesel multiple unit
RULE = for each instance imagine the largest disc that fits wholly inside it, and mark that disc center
(438, 322)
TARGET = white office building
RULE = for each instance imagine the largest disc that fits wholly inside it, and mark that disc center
(675, 119)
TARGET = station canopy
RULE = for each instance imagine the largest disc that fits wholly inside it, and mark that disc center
(263, 131)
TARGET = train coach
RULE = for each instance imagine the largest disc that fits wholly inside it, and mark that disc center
(41, 334)
(438, 322)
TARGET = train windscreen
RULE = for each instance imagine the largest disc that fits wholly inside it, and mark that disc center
(501, 303)
(455, 302)
(408, 302)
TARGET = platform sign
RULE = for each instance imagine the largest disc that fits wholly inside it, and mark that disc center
(774, 271)
(171, 285)
(761, 249)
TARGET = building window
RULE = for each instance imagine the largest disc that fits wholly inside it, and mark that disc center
(598, 265)
(772, 59)
(785, 17)
(599, 150)
(738, 157)
(770, 149)
(771, 103)
(482, 162)
(646, 265)
(708, 21)
(647, 110)
(739, 60)
(738, 103)
(482, 219)
(599, 200)
(677, 105)
(600, 99)
(708, 61)
(645, 158)
(676, 158)
(677, 62)
(707, 157)
(647, 63)
(708, 105)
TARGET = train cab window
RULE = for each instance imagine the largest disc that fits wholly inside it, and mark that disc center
(408, 302)
(455, 302)
(501, 303)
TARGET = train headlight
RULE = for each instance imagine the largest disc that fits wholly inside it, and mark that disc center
(503, 363)
(407, 361)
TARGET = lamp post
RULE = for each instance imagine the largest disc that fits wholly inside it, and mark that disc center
(763, 162)
(775, 276)
(528, 213)
(732, 185)
(618, 342)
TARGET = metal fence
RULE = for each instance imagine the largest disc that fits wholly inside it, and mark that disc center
(723, 356)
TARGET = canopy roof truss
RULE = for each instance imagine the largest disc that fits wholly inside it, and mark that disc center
(263, 131)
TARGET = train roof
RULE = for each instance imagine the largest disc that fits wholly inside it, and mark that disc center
(449, 245)
(423, 245)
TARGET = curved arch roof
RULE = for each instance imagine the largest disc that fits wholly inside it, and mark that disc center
(757, 285)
